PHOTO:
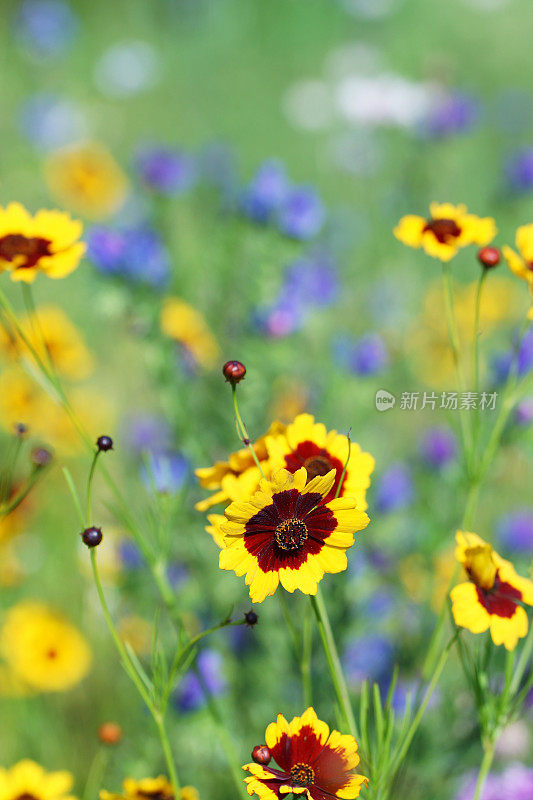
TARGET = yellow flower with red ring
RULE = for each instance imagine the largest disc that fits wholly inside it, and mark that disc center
(310, 760)
(447, 229)
(493, 597)
(47, 242)
(149, 789)
(521, 263)
(286, 534)
(26, 779)
(306, 443)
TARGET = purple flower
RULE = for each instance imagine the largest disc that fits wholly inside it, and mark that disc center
(46, 27)
(130, 555)
(165, 170)
(519, 170)
(367, 355)
(503, 362)
(266, 191)
(515, 783)
(50, 121)
(135, 253)
(524, 412)
(368, 658)
(302, 213)
(189, 695)
(456, 112)
(166, 472)
(438, 447)
(394, 489)
(414, 688)
(177, 574)
(148, 432)
(515, 531)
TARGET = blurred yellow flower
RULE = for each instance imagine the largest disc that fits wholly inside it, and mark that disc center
(447, 229)
(47, 242)
(87, 178)
(521, 263)
(42, 649)
(29, 780)
(187, 326)
(137, 632)
(52, 334)
(149, 789)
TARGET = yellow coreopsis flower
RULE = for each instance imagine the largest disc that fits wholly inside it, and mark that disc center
(184, 324)
(286, 533)
(149, 789)
(447, 229)
(521, 263)
(311, 762)
(42, 649)
(47, 242)
(87, 178)
(492, 597)
(29, 780)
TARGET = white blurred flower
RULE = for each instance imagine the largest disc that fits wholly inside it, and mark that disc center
(514, 741)
(386, 99)
(309, 105)
(127, 68)
(360, 58)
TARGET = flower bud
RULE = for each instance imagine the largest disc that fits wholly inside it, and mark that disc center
(104, 443)
(251, 618)
(110, 733)
(261, 754)
(234, 371)
(488, 257)
(41, 457)
(20, 429)
(92, 536)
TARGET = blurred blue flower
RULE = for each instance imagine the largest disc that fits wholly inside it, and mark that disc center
(46, 27)
(368, 657)
(438, 447)
(134, 253)
(266, 191)
(524, 412)
(502, 363)
(515, 783)
(411, 687)
(167, 472)
(302, 213)
(519, 170)
(367, 355)
(166, 170)
(379, 604)
(148, 432)
(394, 489)
(49, 121)
(130, 555)
(177, 574)
(515, 530)
(456, 112)
(189, 696)
(309, 283)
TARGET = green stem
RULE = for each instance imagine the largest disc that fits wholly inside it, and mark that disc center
(88, 513)
(95, 775)
(305, 663)
(484, 769)
(475, 351)
(243, 431)
(334, 664)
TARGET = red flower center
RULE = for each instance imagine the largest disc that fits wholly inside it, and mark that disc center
(317, 465)
(15, 245)
(291, 534)
(302, 775)
(501, 600)
(443, 229)
(26, 796)
(317, 461)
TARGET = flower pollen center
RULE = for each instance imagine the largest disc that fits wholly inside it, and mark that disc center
(16, 246)
(443, 229)
(317, 465)
(302, 775)
(291, 534)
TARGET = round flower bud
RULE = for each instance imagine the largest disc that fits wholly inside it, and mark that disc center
(488, 257)
(110, 733)
(41, 457)
(92, 536)
(261, 754)
(20, 429)
(251, 618)
(234, 371)
(104, 443)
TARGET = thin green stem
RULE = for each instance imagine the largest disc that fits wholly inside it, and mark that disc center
(334, 664)
(305, 663)
(243, 431)
(475, 352)
(484, 769)
(88, 512)
(523, 661)
(95, 774)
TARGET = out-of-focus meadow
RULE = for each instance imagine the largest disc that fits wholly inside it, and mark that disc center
(249, 160)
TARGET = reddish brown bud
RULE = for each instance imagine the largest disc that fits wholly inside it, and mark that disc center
(489, 257)
(251, 618)
(104, 443)
(261, 754)
(233, 371)
(92, 536)
(110, 733)
(41, 457)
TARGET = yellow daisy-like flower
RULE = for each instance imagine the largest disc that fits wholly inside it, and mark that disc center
(286, 534)
(149, 789)
(54, 336)
(447, 229)
(521, 263)
(186, 325)
(238, 477)
(492, 597)
(47, 242)
(311, 762)
(306, 443)
(87, 178)
(42, 649)
(29, 780)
